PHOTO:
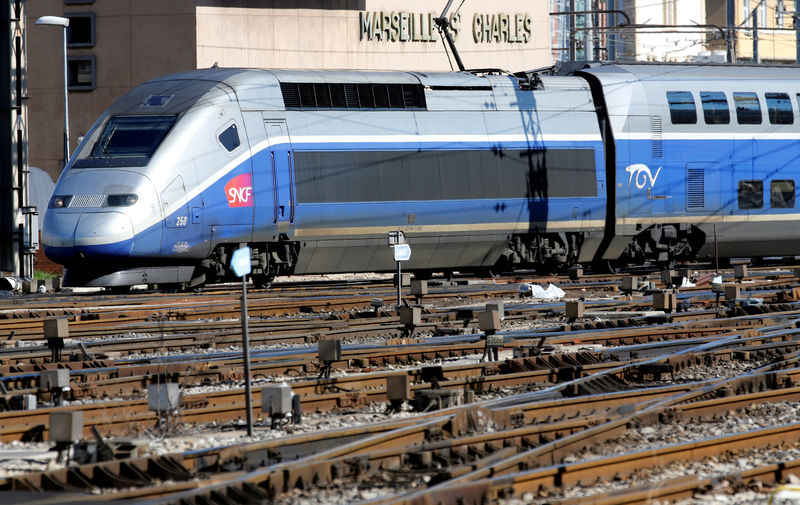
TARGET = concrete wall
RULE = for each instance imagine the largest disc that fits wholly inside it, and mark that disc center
(259, 33)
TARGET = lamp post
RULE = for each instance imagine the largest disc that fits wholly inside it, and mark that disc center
(64, 23)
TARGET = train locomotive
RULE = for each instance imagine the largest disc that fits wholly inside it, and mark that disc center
(608, 165)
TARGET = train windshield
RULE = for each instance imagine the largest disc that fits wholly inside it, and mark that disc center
(127, 141)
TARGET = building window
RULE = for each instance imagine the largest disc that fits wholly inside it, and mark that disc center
(781, 194)
(779, 108)
(748, 109)
(715, 107)
(80, 32)
(751, 194)
(81, 73)
(681, 107)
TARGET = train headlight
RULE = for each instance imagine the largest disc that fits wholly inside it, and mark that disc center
(121, 200)
(59, 201)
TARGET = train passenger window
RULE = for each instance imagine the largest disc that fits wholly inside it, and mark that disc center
(229, 138)
(323, 95)
(342, 96)
(781, 194)
(715, 107)
(365, 98)
(779, 108)
(681, 107)
(748, 108)
(751, 194)
(381, 94)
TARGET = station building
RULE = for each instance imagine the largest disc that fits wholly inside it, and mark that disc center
(115, 45)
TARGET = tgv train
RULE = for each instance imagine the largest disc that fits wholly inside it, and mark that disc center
(611, 164)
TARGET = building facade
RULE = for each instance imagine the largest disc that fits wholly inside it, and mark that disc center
(115, 45)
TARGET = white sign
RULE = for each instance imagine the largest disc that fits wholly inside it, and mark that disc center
(240, 261)
(402, 252)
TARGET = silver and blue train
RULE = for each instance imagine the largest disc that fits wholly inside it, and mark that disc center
(608, 165)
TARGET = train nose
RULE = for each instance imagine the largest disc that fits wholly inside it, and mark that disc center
(103, 234)
(82, 225)
(74, 237)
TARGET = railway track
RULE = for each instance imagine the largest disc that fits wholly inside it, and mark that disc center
(602, 376)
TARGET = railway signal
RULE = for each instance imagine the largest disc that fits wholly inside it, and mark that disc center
(402, 252)
(240, 263)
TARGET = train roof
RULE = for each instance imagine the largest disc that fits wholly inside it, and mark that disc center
(687, 72)
(238, 76)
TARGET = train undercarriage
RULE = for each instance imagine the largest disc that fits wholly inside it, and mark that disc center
(659, 244)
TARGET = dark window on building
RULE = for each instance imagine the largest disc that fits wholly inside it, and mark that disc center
(748, 109)
(751, 194)
(230, 138)
(81, 73)
(340, 96)
(681, 107)
(779, 108)
(781, 194)
(377, 176)
(77, 2)
(80, 32)
(715, 107)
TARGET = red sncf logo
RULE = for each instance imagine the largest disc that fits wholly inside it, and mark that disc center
(239, 191)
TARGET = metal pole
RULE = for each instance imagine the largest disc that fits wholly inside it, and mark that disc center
(612, 37)
(595, 34)
(731, 22)
(588, 48)
(797, 30)
(716, 250)
(399, 287)
(756, 58)
(66, 104)
(248, 395)
(572, 31)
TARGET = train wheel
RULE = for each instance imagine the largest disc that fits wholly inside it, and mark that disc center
(262, 281)
(423, 275)
(606, 267)
(196, 283)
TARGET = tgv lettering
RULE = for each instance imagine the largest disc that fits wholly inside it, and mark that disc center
(640, 174)
(239, 195)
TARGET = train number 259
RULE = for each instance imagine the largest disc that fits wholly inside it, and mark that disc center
(180, 220)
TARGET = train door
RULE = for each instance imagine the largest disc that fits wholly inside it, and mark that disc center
(177, 235)
(280, 151)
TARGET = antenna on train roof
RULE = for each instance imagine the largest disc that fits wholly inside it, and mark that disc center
(443, 24)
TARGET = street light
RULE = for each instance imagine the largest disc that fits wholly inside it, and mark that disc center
(64, 23)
